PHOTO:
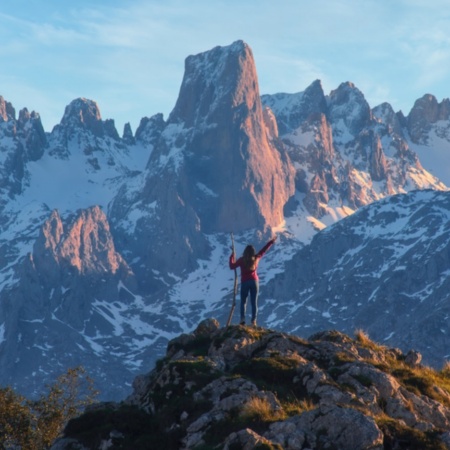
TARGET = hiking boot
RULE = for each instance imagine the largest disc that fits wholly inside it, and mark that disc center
(254, 323)
(242, 322)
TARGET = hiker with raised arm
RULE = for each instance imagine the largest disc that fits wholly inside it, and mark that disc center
(248, 264)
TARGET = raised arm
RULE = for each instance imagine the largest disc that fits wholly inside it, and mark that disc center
(266, 247)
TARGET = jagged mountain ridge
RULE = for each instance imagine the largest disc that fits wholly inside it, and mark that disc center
(162, 192)
(248, 388)
(346, 154)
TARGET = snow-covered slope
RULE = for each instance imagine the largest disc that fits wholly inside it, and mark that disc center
(385, 269)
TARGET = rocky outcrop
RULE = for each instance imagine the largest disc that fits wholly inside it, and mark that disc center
(347, 104)
(150, 129)
(62, 305)
(367, 151)
(291, 110)
(86, 245)
(243, 388)
(80, 127)
(7, 111)
(84, 113)
(242, 180)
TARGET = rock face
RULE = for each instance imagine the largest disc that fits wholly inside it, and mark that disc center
(426, 112)
(215, 166)
(248, 388)
(52, 309)
(348, 155)
(243, 181)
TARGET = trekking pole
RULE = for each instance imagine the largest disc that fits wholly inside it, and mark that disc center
(235, 285)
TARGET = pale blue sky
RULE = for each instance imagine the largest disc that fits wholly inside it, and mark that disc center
(128, 55)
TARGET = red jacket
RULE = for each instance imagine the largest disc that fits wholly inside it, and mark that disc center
(247, 274)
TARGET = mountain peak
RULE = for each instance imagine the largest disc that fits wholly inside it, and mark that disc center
(347, 104)
(84, 115)
(247, 182)
(291, 110)
(213, 77)
(7, 112)
(83, 110)
(426, 111)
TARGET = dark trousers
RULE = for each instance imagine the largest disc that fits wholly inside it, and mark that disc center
(249, 287)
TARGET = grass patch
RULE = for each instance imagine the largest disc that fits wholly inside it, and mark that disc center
(362, 338)
(260, 410)
(341, 358)
(424, 380)
(400, 436)
(298, 407)
(275, 373)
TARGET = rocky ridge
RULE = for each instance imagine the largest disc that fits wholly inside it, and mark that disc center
(247, 388)
(348, 155)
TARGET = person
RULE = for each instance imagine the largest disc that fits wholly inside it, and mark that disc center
(248, 264)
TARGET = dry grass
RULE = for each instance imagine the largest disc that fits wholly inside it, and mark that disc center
(397, 433)
(298, 407)
(421, 380)
(445, 371)
(260, 410)
(363, 339)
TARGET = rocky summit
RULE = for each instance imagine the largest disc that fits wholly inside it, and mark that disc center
(247, 388)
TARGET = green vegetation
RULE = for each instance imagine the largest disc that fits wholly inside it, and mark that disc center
(197, 346)
(34, 425)
(140, 430)
(275, 373)
(362, 338)
(396, 432)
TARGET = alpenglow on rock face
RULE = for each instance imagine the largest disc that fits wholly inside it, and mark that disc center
(52, 313)
(214, 168)
(243, 181)
(250, 388)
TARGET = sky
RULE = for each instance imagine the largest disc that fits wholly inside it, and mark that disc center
(128, 55)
